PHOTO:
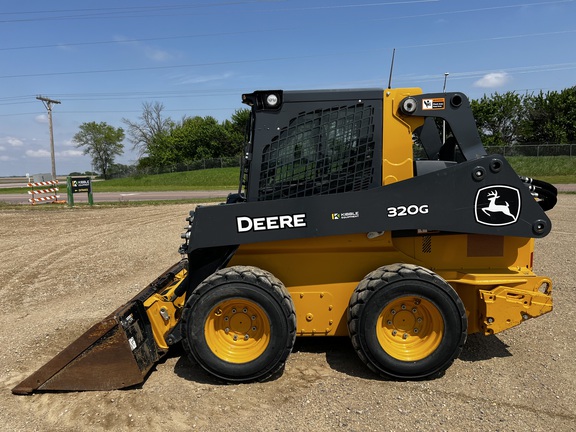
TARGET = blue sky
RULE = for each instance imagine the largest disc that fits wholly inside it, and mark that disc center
(103, 59)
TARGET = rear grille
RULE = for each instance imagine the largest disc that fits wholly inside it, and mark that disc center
(320, 152)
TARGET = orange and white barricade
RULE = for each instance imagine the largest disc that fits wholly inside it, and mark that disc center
(45, 198)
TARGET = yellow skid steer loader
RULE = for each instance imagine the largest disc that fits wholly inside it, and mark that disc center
(354, 216)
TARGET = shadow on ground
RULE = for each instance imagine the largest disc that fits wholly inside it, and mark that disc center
(341, 357)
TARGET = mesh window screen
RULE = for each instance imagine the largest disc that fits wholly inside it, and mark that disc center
(320, 152)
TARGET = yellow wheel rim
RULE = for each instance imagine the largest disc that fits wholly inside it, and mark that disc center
(237, 331)
(410, 328)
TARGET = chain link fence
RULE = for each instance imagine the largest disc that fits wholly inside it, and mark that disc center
(529, 150)
(534, 150)
(133, 171)
(234, 162)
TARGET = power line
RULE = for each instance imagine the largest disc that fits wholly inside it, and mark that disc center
(145, 68)
(118, 12)
(230, 62)
(151, 39)
(182, 110)
(149, 8)
(276, 30)
(483, 9)
(151, 11)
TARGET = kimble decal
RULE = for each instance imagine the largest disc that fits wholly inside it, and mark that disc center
(345, 215)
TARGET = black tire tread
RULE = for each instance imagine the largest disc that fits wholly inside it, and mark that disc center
(390, 273)
(255, 276)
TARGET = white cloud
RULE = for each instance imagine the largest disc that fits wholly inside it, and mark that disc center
(42, 118)
(6, 158)
(157, 54)
(38, 153)
(201, 79)
(15, 142)
(12, 141)
(42, 153)
(70, 153)
(67, 48)
(492, 80)
(149, 51)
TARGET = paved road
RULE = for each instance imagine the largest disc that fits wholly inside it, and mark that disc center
(158, 196)
(13, 185)
(566, 187)
(125, 196)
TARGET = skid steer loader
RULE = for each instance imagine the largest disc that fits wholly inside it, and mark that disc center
(354, 216)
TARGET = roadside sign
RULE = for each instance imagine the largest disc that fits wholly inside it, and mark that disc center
(79, 185)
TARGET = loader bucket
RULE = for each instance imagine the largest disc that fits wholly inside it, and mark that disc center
(115, 353)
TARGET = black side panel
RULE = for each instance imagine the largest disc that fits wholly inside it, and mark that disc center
(483, 196)
(317, 143)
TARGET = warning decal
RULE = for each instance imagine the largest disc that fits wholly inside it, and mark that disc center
(433, 104)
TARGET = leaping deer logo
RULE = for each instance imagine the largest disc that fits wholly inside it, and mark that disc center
(497, 208)
(497, 205)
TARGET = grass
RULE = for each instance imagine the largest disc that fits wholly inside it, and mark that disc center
(553, 169)
(209, 179)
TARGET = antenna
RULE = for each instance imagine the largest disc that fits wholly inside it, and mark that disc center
(391, 69)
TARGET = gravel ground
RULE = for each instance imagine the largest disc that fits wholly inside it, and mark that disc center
(62, 271)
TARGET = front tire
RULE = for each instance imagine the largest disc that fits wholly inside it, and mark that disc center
(239, 324)
(406, 322)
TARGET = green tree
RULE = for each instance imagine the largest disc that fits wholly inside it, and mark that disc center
(550, 118)
(198, 138)
(498, 118)
(102, 142)
(235, 130)
(162, 141)
(160, 151)
(146, 134)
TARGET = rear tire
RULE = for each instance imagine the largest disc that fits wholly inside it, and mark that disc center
(239, 324)
(406, 322)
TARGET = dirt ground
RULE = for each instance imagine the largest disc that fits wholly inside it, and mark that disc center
(62, 271)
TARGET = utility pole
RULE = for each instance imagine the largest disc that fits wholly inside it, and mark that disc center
(48, 104)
